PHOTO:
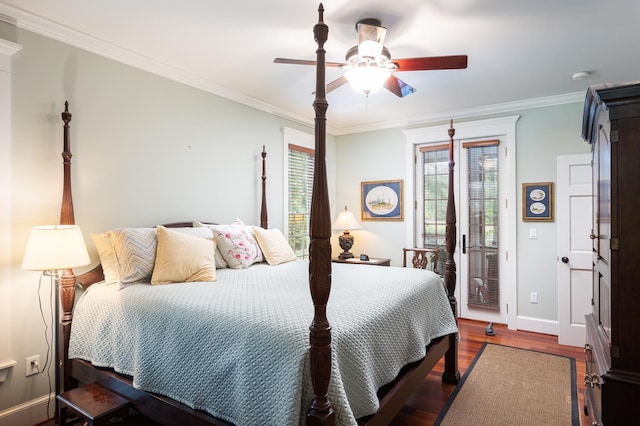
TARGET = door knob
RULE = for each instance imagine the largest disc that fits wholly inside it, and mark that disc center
(565, 259)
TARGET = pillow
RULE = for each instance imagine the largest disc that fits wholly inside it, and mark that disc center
(237, 245)
(181, 257)
(107, 257)
(220, 262)
(135, 251)
(274, 246)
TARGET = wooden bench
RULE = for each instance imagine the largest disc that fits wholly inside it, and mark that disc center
(93, 403)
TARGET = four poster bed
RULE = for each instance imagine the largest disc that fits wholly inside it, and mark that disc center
(244, 353)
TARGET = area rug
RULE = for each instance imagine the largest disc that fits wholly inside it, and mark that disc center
(512, 386)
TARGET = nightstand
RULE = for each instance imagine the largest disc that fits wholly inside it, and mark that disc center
(357, 261)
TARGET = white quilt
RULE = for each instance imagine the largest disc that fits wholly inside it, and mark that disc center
(238, 347)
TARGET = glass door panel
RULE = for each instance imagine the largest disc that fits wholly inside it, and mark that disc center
(483, 286)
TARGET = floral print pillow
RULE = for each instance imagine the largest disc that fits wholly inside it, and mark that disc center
(237, 245)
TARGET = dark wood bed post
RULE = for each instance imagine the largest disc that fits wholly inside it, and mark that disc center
(68, 279)
(451, 373)
(321, 410)
(264, 220)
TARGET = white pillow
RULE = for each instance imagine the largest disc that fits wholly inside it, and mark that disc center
(135, 250)
(181, 257)
(274, 246)
(220, 262)
(107, 257)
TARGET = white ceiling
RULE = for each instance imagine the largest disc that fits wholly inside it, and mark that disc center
(520, 52)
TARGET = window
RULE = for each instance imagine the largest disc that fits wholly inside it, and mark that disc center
(301, 162)
(435, 167)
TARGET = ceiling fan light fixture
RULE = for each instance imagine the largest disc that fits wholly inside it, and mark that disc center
(367, 79)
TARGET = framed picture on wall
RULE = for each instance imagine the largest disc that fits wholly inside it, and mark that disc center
(381, 200)
(537, 201)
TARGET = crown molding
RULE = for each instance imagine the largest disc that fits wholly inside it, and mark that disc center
(9, 48)
(502, 108)
(55, 31)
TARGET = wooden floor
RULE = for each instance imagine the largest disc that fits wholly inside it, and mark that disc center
(425, 404)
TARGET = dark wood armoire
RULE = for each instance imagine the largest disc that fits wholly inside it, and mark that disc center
(611, 124)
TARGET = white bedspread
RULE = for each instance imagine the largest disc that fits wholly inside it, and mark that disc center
(238, 348)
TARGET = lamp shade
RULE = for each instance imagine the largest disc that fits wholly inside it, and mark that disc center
(346, 221)
(55, 247)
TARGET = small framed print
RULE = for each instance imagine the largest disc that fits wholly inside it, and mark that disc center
(381, 200)
(537, 201)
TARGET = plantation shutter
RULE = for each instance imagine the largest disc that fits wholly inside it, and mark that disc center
(301, 164)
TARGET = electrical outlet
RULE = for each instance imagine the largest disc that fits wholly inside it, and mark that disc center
(33, 365)
(533, 297)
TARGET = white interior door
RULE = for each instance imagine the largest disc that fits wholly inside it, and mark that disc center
(574, 212)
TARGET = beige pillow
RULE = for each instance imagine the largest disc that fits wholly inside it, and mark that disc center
(183, 258)
(274, 245)
(107, 257)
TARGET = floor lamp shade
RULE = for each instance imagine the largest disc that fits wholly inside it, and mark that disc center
(55, 247)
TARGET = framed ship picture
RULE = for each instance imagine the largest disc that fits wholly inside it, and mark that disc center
(382, 200)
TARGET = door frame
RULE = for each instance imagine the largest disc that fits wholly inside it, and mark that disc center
(477, 129)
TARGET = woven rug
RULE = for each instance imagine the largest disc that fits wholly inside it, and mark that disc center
(512, 386)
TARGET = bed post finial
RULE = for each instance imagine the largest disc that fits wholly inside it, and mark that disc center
(68, 279)
(264, 221)
(321, 410)
(66, 213)
(451, 373)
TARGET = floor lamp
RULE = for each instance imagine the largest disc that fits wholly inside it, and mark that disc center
(51, 249)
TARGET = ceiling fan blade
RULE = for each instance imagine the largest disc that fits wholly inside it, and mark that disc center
(339, 82)
(304, 62)
(398, 87)
(432, 63)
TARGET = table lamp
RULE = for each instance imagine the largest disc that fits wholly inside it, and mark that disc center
(346, 221)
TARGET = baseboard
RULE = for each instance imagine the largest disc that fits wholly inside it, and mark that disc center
(29, 413)
(537, 325)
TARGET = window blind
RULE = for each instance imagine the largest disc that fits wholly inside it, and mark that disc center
(301, 164)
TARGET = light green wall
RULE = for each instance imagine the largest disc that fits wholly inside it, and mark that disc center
(541, 133)
(146, 150)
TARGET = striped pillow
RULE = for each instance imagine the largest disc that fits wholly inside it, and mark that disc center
(135, 250)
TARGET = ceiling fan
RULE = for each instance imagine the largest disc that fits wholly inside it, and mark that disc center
(369, 65)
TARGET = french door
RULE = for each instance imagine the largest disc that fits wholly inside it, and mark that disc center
(483, 173)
